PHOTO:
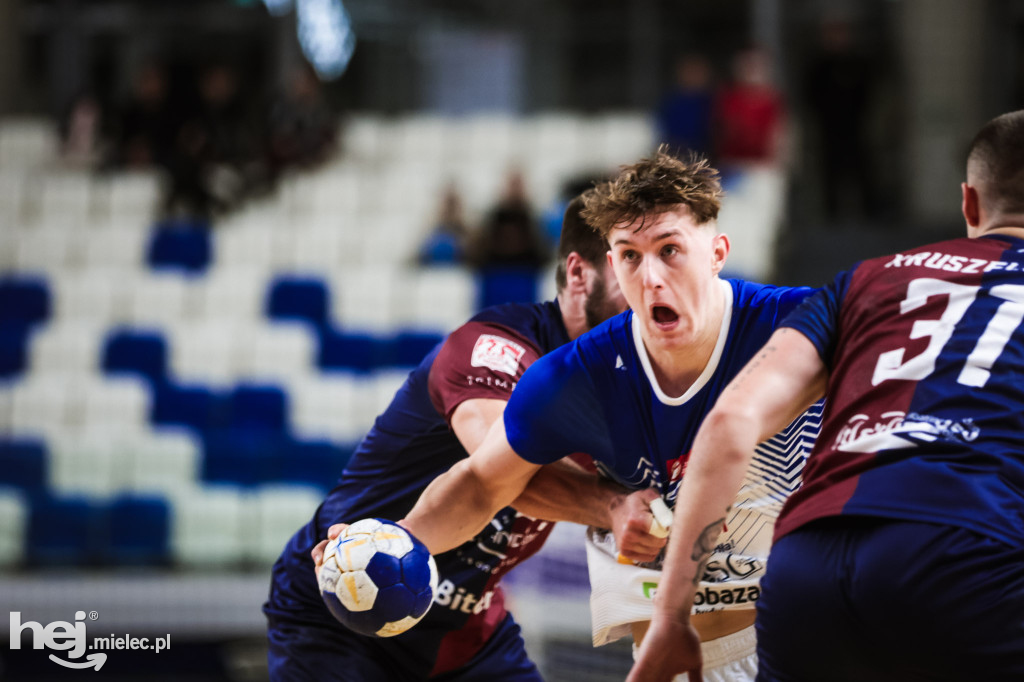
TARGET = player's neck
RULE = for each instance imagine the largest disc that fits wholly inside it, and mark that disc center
(1012, 226)
(676, 370)
(676, 365)
(574, 315)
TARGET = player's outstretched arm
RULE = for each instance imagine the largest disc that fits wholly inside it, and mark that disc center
(564, 491)
(783, 379)
(458, 504)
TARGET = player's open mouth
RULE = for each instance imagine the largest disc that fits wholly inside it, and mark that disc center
(664, 317)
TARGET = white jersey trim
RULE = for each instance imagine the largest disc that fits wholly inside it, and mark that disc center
(709, 369)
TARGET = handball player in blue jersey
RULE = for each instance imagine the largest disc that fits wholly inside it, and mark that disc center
(901, 557)
(632, 392)
(442, 411)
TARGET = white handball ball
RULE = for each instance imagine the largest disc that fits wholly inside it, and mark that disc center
(377, 579)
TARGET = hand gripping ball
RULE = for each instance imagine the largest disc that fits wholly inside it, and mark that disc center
(377, 579)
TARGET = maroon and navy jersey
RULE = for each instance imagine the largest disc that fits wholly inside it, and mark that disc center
(411, 444)
(925, 417)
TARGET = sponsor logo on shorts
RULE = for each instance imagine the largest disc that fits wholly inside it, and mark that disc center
(711, 596)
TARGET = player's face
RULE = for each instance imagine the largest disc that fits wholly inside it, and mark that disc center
(605, 298)
(668, 272)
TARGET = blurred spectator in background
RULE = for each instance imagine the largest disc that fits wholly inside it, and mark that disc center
(684, 113)
(302, 129)
(509, 235)
(447, 242)
(146, 126)
(749, 113)
(81, 132)
(838, 91)
(215, 159)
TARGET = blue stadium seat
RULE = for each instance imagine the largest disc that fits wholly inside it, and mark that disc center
(138, 532)
(291, 298)
(179, 246)
(23, 465)
(195, 407)
(136, 352)
(354, 352)
(24, 300)
(507, 285)
(411, 347)
(66, 532)
(241, 456)
(14, 340)
(261, 407)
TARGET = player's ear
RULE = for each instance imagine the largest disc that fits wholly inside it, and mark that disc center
(575, 275)
(971, 205)
(719, 252)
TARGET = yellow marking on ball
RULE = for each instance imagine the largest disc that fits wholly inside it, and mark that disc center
(384, 535)
(350, 583)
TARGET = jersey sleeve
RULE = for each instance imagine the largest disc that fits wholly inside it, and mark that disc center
(817, 317)
(478, 360)
(554, 412)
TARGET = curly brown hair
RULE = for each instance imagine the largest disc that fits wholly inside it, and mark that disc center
(654, 185)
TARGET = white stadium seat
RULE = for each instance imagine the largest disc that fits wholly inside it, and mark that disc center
(90, 461)
(203, 352)
(276, 350)
(436, 299)
(67, 347)
(97, 296)
(14, 515)
(364, 298)
(164, 461)
(273, 514)
(27, 142)
(208, 527)
(323, 407)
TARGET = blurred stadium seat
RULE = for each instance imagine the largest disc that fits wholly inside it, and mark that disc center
(23, 465)
(138, 531)
(179, 247)
(66, 532)
(230, 371)
(138, 352)
(292, 298)
(14, 516)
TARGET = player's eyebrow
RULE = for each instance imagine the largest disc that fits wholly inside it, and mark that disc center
(625, 241)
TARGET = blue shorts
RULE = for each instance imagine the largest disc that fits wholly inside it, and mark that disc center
(307, 644)
(871, 599)
(310, 653)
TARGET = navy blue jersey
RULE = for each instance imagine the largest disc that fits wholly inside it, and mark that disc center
(926, 414)
(409, 446)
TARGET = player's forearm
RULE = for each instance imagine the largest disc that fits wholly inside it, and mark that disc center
(565, 492)
(720, 456)
(451, 510)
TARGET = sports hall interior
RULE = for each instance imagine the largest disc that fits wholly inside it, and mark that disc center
(193, 342)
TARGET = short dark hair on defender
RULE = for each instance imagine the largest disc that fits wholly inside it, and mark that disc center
(997, 156)
(580, 237)
(653, 186)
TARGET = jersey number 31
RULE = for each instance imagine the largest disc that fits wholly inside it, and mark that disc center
(990, 344)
